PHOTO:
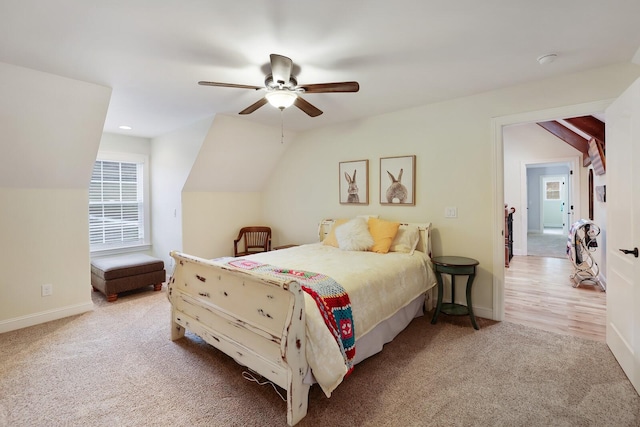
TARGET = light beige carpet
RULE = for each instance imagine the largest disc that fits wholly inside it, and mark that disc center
(116, 366)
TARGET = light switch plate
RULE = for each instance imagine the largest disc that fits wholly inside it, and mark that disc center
(451, 212)
(47, 290)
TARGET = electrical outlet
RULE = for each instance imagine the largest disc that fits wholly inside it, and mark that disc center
(451, 212)
(47, 290)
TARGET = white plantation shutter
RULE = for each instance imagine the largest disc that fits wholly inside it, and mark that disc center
(116, 205)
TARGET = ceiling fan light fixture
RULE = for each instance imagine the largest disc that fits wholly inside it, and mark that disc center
(281, 98)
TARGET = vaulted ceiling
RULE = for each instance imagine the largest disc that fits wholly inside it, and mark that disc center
(577, 132)
(403, 53)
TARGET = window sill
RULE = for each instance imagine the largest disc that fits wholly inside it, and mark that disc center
(117, 251)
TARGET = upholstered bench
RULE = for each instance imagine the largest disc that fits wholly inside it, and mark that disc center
(115, 274)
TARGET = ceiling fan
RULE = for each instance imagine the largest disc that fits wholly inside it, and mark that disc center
(283, 90)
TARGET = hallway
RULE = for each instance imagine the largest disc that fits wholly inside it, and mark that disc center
(551, 243)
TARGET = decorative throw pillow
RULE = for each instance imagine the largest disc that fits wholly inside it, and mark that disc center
(354, 235)
(383, 233)
(406, 240)
(330, 240)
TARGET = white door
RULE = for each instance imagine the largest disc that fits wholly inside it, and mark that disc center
(554, 201)
(623, 230)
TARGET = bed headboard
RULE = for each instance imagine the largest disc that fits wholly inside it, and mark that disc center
(424, 229)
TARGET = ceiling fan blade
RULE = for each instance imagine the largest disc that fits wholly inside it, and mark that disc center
(280, 68)
(331, 87)
(253, 107)
(307, 107)
(229, 85)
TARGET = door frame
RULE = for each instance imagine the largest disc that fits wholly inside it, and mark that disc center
(564, 194)
(573, 195)
(497, 124)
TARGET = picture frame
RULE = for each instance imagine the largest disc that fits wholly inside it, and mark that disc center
(596, 154)
(398, 180)
(601, 193)
(354, 182)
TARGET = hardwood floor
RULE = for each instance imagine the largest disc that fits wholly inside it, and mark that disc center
(539, 293)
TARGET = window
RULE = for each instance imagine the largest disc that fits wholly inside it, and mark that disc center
(117, 214)
(552, 190)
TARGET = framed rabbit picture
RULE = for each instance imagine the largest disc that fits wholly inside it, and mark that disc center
(398, 180)
(354, 182)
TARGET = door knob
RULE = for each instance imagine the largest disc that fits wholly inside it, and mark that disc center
(627, 251)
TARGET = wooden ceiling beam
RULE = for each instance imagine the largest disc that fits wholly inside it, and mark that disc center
(570, 137)
(589, 125)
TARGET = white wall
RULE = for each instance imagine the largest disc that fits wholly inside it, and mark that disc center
(125, 144)
(50, 129)
(454, 147)
(172, 157)
(50, 126)
(214, 219)
(224, 190)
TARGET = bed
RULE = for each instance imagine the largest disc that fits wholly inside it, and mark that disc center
(263, 310)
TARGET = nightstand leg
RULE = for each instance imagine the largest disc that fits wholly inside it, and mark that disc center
(469, 303)
(434, 319)
(453, 288)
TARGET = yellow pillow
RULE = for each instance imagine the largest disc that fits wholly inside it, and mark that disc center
(383, 233)
(331, 239)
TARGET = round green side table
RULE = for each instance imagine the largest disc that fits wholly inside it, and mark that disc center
(454, 266)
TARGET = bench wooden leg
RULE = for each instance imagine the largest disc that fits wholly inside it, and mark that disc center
(112, 297)
(157, 287)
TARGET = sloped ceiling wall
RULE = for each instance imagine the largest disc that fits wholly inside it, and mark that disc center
(224, 189)
(50, 129)
(70, 116)
(237, 156)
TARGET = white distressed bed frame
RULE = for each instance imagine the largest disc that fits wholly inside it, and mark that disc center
(259, 322)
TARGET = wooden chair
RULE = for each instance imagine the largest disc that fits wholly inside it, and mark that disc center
(256, 239)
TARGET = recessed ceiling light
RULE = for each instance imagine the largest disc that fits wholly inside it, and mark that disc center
(547, 59)
(125, 127)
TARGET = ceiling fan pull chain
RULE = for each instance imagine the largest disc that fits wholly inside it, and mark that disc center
(282, 126)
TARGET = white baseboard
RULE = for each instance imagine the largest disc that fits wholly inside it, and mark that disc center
(43, 317)
(485, 313)
(603, 280)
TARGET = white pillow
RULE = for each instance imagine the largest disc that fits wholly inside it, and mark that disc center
(406, 239)
(368, 216)
(354, 235)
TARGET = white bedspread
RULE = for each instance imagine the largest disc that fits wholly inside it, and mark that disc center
(378, 286)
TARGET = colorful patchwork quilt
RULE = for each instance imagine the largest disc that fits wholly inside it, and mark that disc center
(330, 297)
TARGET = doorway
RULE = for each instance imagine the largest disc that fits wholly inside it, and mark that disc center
(539, 291)
(505, 171)
(548, 191)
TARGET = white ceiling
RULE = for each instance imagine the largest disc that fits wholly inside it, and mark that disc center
(403, 53)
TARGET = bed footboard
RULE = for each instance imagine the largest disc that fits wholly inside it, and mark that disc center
(258, 321)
